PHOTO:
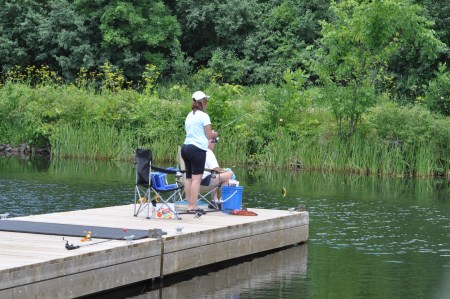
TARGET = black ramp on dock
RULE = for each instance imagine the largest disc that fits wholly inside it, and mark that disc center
(69, 230)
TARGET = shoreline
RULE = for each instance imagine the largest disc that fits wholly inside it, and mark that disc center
(23, 149)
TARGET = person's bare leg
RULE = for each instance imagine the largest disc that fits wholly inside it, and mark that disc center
(187, 191)
(215, 182)
(223, 180)
(225, 177)
(217, 195)
(194, 189)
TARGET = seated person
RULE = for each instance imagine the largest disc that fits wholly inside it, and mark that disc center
(213, 174)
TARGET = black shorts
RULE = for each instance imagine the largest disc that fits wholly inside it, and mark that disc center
(194, 159)
(206, 181)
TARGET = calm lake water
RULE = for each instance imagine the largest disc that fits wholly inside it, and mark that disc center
(369, 237)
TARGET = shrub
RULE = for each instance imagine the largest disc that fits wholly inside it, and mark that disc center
(437, 96)
(421, 137)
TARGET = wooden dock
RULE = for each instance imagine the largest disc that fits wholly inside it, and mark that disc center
(39, 266)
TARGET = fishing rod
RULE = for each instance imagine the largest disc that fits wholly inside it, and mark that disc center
(231, 122)
(72, 246)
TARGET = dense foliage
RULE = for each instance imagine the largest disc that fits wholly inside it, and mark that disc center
(322, 84)
(245, 42)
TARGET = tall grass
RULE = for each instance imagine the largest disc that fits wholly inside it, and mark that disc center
(92, 141)
(357, 155)
(233, 151)
(279, 152)
(88, 124)
(424, 160)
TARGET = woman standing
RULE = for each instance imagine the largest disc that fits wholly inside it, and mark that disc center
(198, 132)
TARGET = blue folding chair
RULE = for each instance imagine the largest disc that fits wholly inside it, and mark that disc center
(151, 188)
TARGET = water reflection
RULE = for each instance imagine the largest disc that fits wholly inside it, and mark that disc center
(272, 273)
(264, 274)
(38, 186)
(370, 237)
(379, 216)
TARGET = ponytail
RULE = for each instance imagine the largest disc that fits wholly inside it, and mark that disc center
(198, 105)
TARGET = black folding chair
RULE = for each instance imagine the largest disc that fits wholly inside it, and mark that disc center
(152, 190)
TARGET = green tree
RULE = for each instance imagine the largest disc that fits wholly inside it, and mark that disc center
(249, 41)
(48, 33)
(64, 41)
(209, 25)
(134, 33)
(357, 46)
(18, 35)
(413, 65)
(439, 12)
(280, 42)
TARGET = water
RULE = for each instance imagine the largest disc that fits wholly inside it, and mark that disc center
(369, 237)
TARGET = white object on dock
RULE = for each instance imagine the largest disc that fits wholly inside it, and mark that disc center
(129, 239)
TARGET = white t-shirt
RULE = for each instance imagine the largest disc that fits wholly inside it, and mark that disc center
(195, 129)
(211, 162)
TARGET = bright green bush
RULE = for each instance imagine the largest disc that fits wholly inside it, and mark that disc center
(21, 120)
(437, 96)
(420, 137)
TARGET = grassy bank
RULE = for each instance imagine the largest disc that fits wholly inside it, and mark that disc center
(275, 131)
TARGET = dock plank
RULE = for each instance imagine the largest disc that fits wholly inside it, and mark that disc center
(35, 265)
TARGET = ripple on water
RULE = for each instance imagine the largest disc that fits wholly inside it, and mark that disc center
(393, 261)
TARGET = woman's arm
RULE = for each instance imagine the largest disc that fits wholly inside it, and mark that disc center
(210, 133)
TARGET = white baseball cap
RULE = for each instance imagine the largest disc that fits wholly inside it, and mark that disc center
(199, 95)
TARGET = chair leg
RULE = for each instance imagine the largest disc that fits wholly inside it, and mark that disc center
(141, 200)
(135, 201)
(166, 203)
(211, 202)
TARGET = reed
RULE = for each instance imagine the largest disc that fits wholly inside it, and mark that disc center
(371, 152)
(280, 152)
(357, 152)
(310, 155)
(92, 141)
(81, 122)
(424, 161)
(234, 150)
(99, 141)
(362, 155)
(321, 154)
(340, 151)
(164, 146)
(391, 161)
